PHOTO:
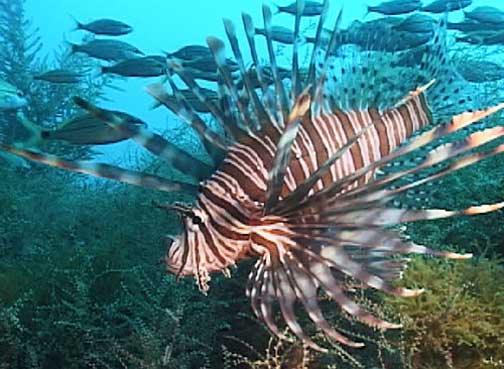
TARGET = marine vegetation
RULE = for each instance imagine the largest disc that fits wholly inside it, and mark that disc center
(78, 290)
(458, 322)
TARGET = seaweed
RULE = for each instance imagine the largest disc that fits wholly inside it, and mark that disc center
(85, 292)
(458, 321)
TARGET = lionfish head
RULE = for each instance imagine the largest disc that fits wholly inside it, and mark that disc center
(185, 255)
(195, 252)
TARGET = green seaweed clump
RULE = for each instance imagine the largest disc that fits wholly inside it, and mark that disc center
(458, 321)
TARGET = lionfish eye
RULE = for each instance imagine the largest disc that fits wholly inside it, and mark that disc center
(196, 220)
(20, 93)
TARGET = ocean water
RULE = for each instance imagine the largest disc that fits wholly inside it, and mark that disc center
(83, 280)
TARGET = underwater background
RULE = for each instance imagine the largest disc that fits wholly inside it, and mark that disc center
(81, 285)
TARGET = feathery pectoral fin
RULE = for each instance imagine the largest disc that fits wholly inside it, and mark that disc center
(284, 150)
(106, 171)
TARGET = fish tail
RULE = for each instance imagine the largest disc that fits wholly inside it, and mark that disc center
(369, 9)
(104, 70)
(78, 25)
(74, 48)
(37, 134)
(278, 8)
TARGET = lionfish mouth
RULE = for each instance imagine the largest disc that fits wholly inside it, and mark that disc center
(293, 181)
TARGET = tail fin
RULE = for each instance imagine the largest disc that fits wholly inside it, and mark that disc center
(278, 8)
(369, 9)
(104, 70)
(78, 25)
(36, 133)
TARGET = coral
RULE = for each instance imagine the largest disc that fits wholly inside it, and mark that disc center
(458, 321)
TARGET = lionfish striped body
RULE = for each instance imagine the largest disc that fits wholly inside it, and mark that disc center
(232, 199)
(295, 180)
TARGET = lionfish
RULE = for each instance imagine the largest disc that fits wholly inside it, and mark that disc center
(297, 179)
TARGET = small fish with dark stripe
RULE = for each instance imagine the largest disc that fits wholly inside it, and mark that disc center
(310, 9)
(146, 66)
(280, 34)
(106, 49)
(60, 76)
(486, 14)
(189, 96)
(472, 26)
(441, 6)
(84, 129)
(416, 23)
(105, 26)
(481, 71)
(395, 7)
(207, 64)
(191, 52)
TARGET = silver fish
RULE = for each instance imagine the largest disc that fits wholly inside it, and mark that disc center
(365, 34)
(59, 76)
(110, 50)
(147, 66)
(379, 25)
(480, 71)
(191, 52)
(84, 129)
(279, 34)
(469, 25)
(486, 14)
(395, 7)
(311, 9)
(208, 64)
(190, 98)
(108, 27)
(483, 38)
(416, 23)
(441, 6)
(11, 98)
